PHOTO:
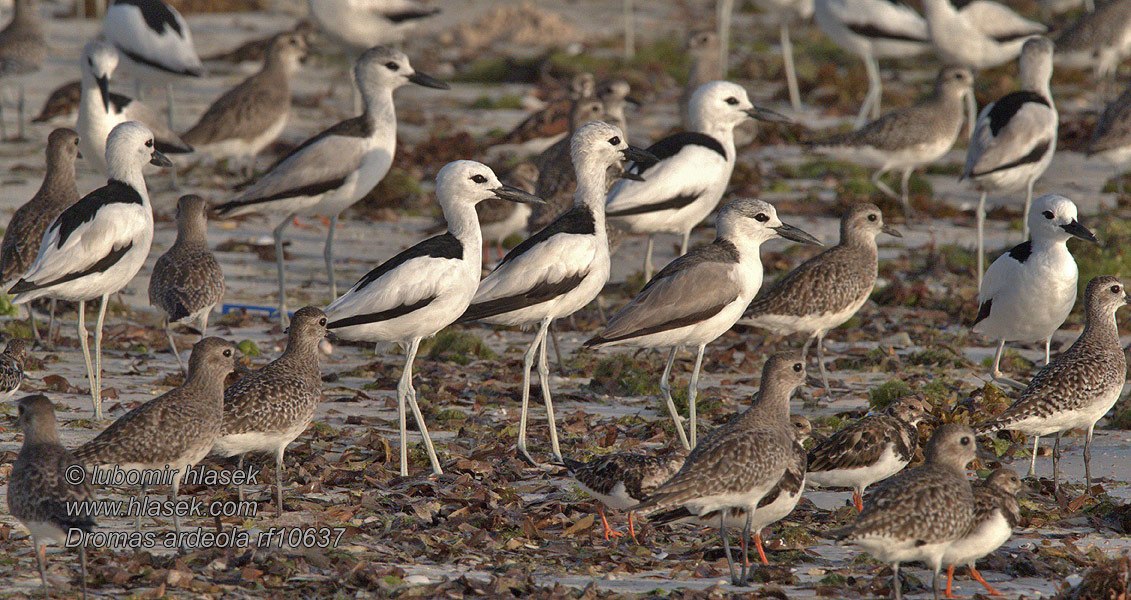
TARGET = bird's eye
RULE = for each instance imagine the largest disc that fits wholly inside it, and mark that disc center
(148, 143)
(227, 353)
(732, 101)
(796, 367)
(965, 440)
(322, 321)
(761, 217)
(477, 178)
(392, 66)
(1115, 289)
(1047, 214)
(871, 217)
(614, 141)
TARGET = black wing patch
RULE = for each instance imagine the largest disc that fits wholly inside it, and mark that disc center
(872, 31)
(137, 58)
(114, 192)
(119, 102)
(101, 266)
(312, 189)
(683, 321)
(1021, 252)
(1035, 155)
(384, 315)
(671, 145)
(983, 311)
(441, 246)
(577, 220)
(1003, 110)
(676, 203)
(411, 15)
(543, 292)
(157, 15)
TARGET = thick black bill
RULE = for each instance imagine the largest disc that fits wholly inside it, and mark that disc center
(514, 194)
(633, 101)
(639, 156)
(891, 231)
(770, 116)
(104, 89)
(626, 174)
(427, 81)
(814, 382)
(984, 454)
(160, 160)
(1078, 230)
(790, 232)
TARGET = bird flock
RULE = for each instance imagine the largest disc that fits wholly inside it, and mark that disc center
(573, 204)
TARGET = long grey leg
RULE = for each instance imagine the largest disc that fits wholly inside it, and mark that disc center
(98, 354)
(684, 243)
(278, 233)
(726, 546)
(648, 257)
(1056, 463)
(981, 219)
(51, 324)
(1025, 215)
(875, 91)
(176, 519)
(821, 364)
(1048, 349)
(1088, 458)
(904, 180)
(412, 349)
(692, 389)
(935, 582)
(877, 180)
(328, 256)
(140, 500)
(971, 114)
(896, 585)
(279, 480)
(85, 344)
(239, 486)
(666, 390)
(790, 72)
(544, 380)
(746, 546)
(1033, 460)
(173, 346)
(40, 550)
(527, 364)
(996, 373)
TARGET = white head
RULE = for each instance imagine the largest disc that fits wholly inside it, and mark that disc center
(468, 183)
(1036, 64)
(749, 221)
(99, 61)
(128, 148)
(718, 106)
(1053, 217)
(596, 146)
(381, 67)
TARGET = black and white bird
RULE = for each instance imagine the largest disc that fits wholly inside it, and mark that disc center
(173, 431)
(1015, 137)
(873, 30)
(1079, 386)
(359, 24)
(622, 479)
(41, 493)
(187, 281)
(560, 269)
(415, 294)
(738, 464)
(100, 110)
(908, 138)
(29, 222)
(693, 170)
(825, 291)
(917, 515)
(12, 367)
(23, 50)
(336, 168)
(700, 295)
(96, 246)
(155, 43)
(267, 409)
(1036, 278)
(996, 513)
(247, 118)
(773, 507)
(869, 450)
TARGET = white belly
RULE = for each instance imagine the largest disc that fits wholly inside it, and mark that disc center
(985, 538)
(859, 478)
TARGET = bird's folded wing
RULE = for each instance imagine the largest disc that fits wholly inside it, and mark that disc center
(555, 259)
(687, 173)
(998, 21)
(316, 167)
(1016, 142)
(397, 292)
(112, 229)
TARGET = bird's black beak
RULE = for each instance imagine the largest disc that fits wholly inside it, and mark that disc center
(428, 81)
(984, 454)
(633, 101)
(513, 194)
(626, 174)
(78, 154)
(790, 232)
(637, 155)
(814, 382)
(104, 89)
(160, 160)
(770, 116)
(1078, 230)
(891, 231)
(241, 370)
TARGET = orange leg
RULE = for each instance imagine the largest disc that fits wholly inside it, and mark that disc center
(858, 500)
(608, 530)
(949, 580)
(631, 529)
(758, 543)
(978, 577)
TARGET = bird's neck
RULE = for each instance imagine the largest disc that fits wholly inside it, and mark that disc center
(59, 185)
(278, 69)
(938, 8)
(206, 384)
(1102, 329)
(858, 239)
(591, 187)
(463, 223)
(191, 231)
(1037, 82)
(378, 106)
(724, 133)
(43, 432)
(302, 353)
(771, 404)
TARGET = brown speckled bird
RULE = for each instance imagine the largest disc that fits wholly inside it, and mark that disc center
(996, 513)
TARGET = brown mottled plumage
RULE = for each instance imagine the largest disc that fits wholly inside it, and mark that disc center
(1079, 386)
(917, 514)
(827, 290)
(267, 409)
(63, 100)
(554, 119)
(996, 513)
(621, 480)
(12, 367)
